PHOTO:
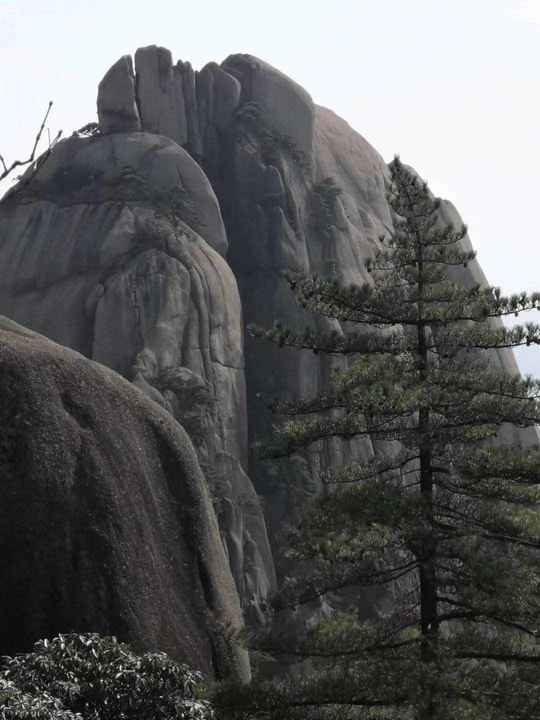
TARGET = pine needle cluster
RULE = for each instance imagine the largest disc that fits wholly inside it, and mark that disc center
(444, 520)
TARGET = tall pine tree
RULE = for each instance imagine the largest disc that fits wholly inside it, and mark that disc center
(445, 522)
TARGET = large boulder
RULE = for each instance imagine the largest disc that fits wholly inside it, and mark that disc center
(106, 522)
(113, 248)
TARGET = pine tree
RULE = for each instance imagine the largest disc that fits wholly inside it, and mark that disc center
(444, 521)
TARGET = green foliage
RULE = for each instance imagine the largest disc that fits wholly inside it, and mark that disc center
(98, 678)
(323, 210)
(250, 117)
(18, 705)
(177, 207)
(443, 520)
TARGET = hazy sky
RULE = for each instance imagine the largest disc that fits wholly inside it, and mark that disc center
(451, 85)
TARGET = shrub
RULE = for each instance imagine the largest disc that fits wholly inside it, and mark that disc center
(98, 678)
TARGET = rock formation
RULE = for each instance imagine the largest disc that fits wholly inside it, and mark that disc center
(115, 249)
(106, 523)
(148, 251)
(118, 109)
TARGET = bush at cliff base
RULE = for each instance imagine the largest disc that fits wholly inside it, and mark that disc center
(89, 677)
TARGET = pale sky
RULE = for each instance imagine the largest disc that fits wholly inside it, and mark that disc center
(451, 85)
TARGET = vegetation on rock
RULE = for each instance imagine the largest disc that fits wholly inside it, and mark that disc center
(250, 116)
(323, 215)
(442, 522)
(98, 678)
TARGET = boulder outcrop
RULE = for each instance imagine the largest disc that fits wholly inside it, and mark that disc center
(106, 522)
(114, 248)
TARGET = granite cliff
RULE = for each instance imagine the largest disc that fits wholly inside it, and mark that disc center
(106, 523)
(150, 243)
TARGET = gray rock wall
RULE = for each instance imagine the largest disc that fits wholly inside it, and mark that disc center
(114, 249)
(105, 525)
(143, 252)
(118, 108)
(160, 94)
(316, 207)
(299, 190)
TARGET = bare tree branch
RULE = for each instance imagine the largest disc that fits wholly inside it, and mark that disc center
(18, 163)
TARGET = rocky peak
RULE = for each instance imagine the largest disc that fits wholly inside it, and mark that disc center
(117, 106)
(160, 94)
(187, 106)
(286, 106)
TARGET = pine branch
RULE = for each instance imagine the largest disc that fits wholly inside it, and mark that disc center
(499, 657)
(446, 520)
(480, 615)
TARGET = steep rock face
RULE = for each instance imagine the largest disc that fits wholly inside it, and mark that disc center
(105, 526)
(117, 109)
(298, 190)
(113, 248)
(192, 108)
(287, 107)
(318, 212)
(160, 94)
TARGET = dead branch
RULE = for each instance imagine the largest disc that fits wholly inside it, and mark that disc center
(5, 170)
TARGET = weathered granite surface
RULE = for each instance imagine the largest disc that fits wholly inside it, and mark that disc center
(117, 109)
(160, 94)
(286, 106)
(114, 249)
(318, 212)
(142, 244)
(106, 523)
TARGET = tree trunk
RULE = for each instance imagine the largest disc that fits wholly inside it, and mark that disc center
(428, 580)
